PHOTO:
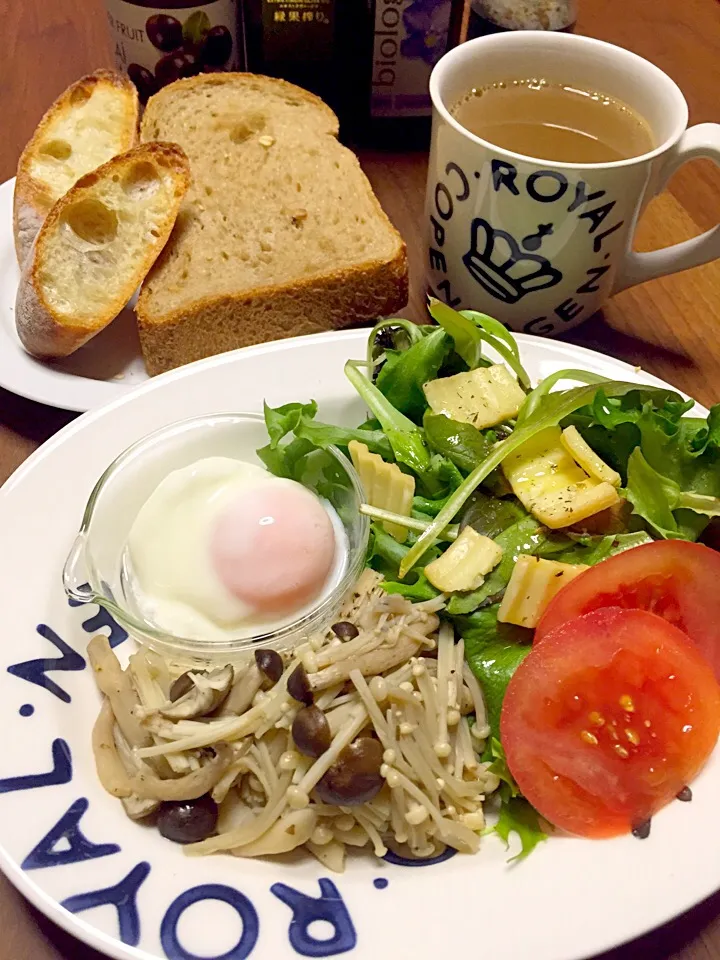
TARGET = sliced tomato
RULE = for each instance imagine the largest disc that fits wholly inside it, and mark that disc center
(607, 719)
(676, 580)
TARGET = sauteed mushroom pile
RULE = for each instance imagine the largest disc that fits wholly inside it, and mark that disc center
(369, 734)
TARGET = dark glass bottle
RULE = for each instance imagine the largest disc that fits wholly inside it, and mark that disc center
(498, 16)
(370, 60)
(157, 43)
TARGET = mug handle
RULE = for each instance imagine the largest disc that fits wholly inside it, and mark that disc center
(702, 140)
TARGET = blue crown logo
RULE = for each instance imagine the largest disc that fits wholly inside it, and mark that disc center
(501, 265)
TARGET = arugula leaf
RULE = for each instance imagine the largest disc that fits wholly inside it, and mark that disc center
(326, 434)
(401, 379)
(493, 652)
(386, 554)
(469, 330)
(279, 421)
(405, 437)
(518, 816)
(285, 460)
(555, 407)
(462, 443)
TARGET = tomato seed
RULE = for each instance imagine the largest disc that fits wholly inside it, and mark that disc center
(588, 737)
(627, 703)
(596, 719)
(621, 751)
(632, 736)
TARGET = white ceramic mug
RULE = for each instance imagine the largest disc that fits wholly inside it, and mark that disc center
(541, 245)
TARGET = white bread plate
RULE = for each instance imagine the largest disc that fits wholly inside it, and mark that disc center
(103, 370)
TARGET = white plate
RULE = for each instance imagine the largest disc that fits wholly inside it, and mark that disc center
(101, 371)
(571, 899)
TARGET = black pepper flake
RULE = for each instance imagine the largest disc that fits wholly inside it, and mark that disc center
(642, 830)
(685, 795)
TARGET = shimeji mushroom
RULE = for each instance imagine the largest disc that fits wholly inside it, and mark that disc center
(207, 692)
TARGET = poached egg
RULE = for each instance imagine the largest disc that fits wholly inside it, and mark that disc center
(223, 550)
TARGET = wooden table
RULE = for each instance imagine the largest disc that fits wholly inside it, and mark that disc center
(671, 327)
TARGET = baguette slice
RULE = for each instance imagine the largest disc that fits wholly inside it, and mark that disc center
(96, 246)
(280, 233)
(92, 121)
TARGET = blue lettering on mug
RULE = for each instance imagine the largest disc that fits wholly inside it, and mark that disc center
(508, 267)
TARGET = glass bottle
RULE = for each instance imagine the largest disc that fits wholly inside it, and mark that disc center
(157, 44)
(498, 16)
(370, 60)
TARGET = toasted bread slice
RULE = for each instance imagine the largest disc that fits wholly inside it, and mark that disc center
(95, 247)
(92, 121)
(280, 233)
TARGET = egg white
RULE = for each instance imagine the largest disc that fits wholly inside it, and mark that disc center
(171, 575)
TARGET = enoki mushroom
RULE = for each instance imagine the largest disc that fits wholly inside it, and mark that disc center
(383, 751)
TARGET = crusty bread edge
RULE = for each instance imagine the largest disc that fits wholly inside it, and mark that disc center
(155, 102)
(41, 332)
(31, 202)
(391, 274)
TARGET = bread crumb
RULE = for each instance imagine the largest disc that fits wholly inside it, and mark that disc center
(266, 141)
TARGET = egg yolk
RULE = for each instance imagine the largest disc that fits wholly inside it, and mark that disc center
(273, 547)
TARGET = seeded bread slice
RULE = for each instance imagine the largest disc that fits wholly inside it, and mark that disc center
(92, 121)
(280, 233)
(96, 246)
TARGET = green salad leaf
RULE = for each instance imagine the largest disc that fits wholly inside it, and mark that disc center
(385, 555)
(461, 443)
(522, 536)
(405, 437)
(402, 376)
(493, 651)
(279, 421)
(518, 816)
(587, 549)
(554, 408)
(470, 330)
(669, 461)
(326, 434)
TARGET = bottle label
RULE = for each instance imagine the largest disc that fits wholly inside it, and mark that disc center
(157, 45)
(410, 38)
(297, 30)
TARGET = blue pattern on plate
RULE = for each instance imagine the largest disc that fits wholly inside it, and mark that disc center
(60, 773)
(210, 891)
(399, 861)
(35, 671)
(329, 906)
(306, 910)
(79, 847)
(123, 896)
(97, 621)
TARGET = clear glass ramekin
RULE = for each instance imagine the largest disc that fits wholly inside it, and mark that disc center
(94, 569)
